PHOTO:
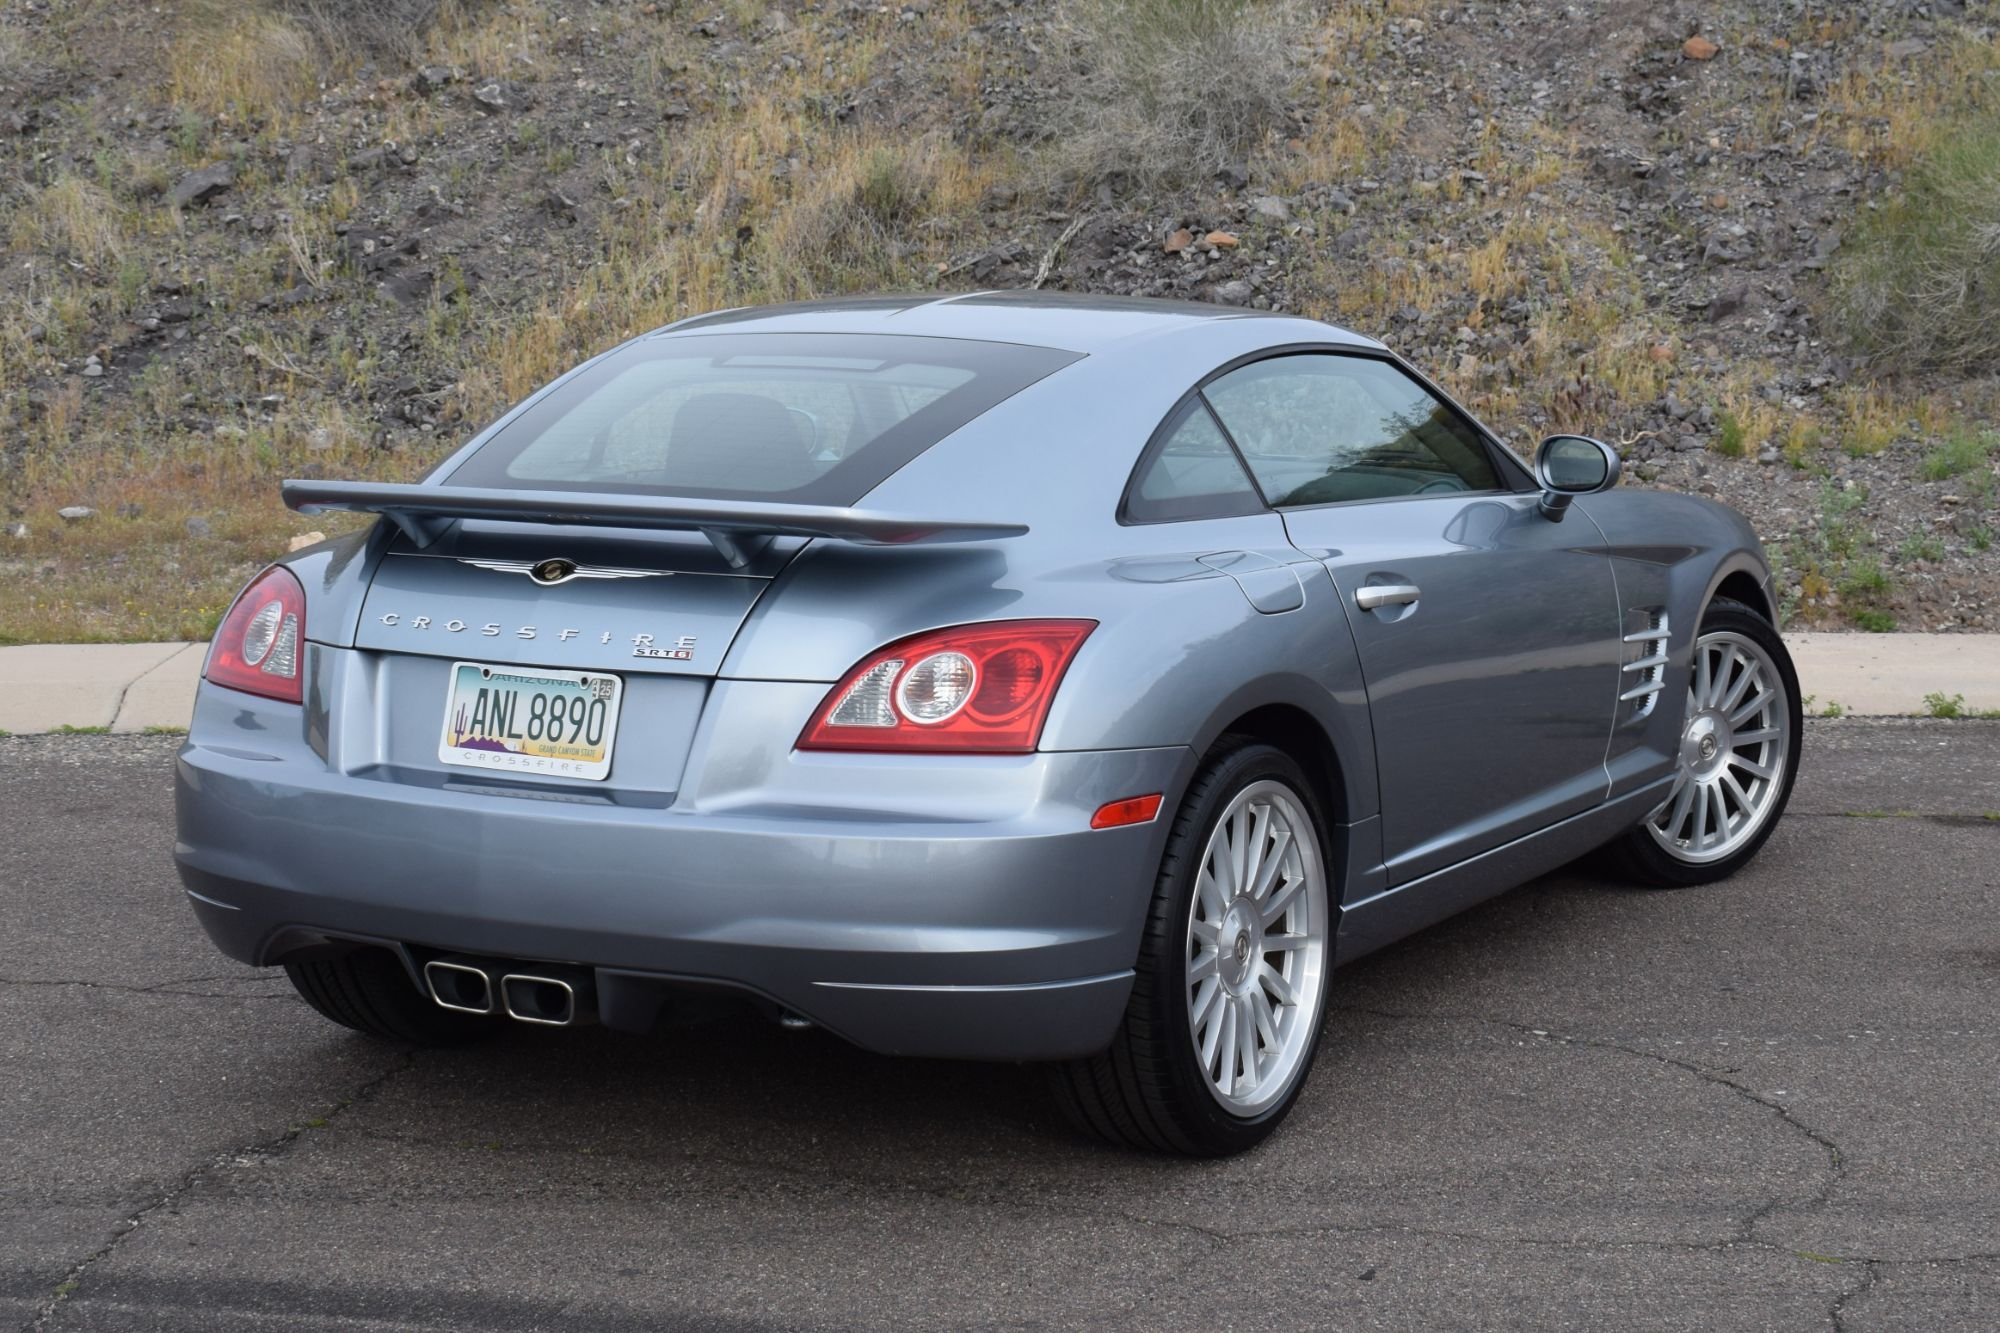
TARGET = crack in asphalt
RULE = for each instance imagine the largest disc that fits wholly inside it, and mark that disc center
(1707, 1073)
(157, 988)
(181, 1185)
(1836, 1168)
(1871, 1273)
(1918, 816)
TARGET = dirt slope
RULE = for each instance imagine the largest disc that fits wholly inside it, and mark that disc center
(240, 246)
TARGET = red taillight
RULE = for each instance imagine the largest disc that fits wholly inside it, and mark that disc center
(261, 645)
(982, 689)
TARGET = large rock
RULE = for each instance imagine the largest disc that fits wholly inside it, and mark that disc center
(198, 187)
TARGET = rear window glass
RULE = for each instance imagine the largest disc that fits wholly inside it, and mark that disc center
(808, 418)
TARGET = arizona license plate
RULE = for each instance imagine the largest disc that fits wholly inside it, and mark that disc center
(557, 724)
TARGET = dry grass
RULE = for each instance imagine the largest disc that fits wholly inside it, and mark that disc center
(75, 219)
(1893, 113)
(252, 67)
(255, 62)
(1748, 421)
(1919, 287)
(1171, 90)
(144, 576)
(718, 215)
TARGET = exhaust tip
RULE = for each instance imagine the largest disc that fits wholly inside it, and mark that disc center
(545, 1000)
(455, 986)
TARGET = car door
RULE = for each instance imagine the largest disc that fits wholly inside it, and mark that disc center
(1489, 636)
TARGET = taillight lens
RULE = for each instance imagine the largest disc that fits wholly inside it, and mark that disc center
(261, 645)
(972, 689)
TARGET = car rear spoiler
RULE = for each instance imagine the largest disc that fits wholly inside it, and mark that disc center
(424, 512)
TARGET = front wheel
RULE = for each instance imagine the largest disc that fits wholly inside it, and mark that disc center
(1230, 985)
(1738, 757)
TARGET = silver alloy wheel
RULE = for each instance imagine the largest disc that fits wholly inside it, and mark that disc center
(1735, 743)
(1257, 948)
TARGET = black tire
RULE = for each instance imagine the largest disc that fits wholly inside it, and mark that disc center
(1148, 1090)
(1636, 856)
(370, 991)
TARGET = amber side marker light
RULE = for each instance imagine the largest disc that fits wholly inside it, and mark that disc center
(1131, 810)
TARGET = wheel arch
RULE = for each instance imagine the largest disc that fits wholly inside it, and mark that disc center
(1294, 729)
(1287, 727)
(1741, 584)
(1326, 729)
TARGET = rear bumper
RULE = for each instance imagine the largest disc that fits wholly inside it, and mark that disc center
(988, 923)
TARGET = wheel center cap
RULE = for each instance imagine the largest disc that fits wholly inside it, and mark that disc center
(1705, 744)
(1239, 936)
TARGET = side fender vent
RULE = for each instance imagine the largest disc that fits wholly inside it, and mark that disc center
(1645, 671)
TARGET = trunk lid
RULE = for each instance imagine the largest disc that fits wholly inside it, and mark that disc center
(511, 594)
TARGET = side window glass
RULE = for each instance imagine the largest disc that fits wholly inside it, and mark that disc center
(1320, 429)
(1191, 473)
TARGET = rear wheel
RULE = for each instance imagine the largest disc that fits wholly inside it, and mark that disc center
(1738, 757)
(370, 991)
(1223, 1022)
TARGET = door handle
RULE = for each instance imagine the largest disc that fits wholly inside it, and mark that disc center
(1386, 594)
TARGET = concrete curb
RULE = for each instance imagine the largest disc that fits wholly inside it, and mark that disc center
(115, 686)
(127, 687)
(1879, 675)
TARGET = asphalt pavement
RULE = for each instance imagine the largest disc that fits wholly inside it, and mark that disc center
(1771, 1104)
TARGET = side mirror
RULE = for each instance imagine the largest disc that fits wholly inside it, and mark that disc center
(1571, 465)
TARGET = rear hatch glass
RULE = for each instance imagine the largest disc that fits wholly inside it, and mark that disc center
(804, 418)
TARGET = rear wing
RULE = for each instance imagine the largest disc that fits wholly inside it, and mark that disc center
(424, 512)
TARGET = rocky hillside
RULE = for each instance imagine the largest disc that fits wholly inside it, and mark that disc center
(298, 237)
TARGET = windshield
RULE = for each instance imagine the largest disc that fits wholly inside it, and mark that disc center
(808, 418)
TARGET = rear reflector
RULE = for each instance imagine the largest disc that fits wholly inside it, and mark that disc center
(1131, 810)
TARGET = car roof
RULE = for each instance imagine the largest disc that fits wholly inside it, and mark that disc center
(1070, 321)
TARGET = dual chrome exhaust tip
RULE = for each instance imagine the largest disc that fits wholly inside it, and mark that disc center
(526, 997)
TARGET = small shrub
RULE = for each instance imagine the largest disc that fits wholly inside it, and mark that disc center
(1919, 286)
(840, 232)
(1172, 90)
(1938, 704)
(892, 187)
(1864, 579)
(1729, 439)
(362, 27)
(1922, 546)
(1875, 622)
(1959, 454)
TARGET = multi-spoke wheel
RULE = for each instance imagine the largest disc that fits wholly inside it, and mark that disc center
(1256, 946)
(1737, 756)
(1231, 980)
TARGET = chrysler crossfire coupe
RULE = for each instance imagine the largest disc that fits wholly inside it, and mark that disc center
(1000, 676)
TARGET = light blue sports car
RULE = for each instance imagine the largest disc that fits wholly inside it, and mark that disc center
(1002, 676)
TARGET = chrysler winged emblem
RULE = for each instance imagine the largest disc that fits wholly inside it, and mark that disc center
(556, 570)
(553, 571)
